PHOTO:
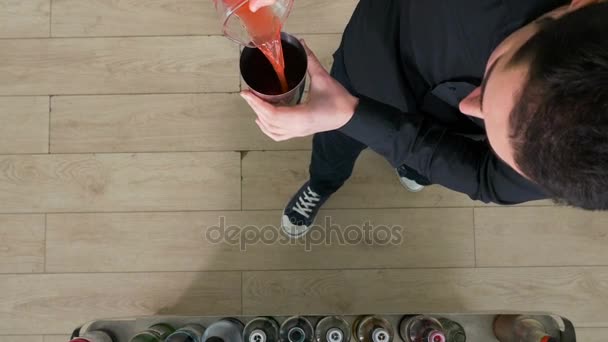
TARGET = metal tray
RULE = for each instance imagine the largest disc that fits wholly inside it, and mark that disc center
(478, 327)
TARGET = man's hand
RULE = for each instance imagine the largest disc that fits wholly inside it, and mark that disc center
(329, 107)
(255, 5)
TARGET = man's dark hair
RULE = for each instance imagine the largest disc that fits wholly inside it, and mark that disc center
(559, 125)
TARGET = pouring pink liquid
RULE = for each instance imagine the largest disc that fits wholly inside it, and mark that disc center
(265, 30)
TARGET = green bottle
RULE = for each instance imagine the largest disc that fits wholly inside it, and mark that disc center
(155, 333)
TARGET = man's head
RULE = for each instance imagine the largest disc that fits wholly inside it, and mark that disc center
(544, 100)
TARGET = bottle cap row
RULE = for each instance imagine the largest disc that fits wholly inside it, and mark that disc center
(368, 328)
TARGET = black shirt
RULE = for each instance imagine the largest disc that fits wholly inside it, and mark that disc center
(411, 62)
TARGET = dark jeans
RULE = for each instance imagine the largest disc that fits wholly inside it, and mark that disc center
(334, 153)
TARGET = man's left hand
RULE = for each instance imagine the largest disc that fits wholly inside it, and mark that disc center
(330, 106)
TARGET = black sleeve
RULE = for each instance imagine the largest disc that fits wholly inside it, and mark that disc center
(454, 161)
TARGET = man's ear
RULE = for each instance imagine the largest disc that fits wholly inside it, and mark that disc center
(471, 105)
(578, 4)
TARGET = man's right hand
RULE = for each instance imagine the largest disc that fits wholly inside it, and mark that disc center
(255, 5)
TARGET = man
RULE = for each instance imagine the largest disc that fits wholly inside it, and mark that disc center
(504, 100)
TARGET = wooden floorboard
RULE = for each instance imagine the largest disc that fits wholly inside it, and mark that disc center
(58, 303)
(342, 239)
(22, 338)
(271, 178)
(175, 122)
(90, 18)
(56, 338)
(576, 293)
(22, 243)
(118, 66)
(119, 182)
(24, 125)
(24, 18)
(591, 334)
(94, 18)
(320, 16)
(145, 123)
(323, 46)
(540, 237)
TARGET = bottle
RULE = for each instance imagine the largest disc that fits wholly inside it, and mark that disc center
(332, 329)
(522, 328)
(261, 329)
(421, 328)
(191, 332)
(296, 329)
(373, 329)
(224, 330)
(155, 333)
(454, 332)
(95, 336)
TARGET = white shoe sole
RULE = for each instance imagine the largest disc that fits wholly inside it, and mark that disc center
(409, 184)
(292, 230)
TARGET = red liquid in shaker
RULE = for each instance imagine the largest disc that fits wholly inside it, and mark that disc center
(265, 30)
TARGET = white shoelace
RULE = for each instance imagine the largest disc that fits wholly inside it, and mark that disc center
(306, 202)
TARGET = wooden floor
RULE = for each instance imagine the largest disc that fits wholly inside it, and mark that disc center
(123, 140)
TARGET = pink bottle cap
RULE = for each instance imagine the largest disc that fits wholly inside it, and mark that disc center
(436, 336)
(78, 339)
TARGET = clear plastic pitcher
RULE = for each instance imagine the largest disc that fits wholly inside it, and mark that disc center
(245, 27)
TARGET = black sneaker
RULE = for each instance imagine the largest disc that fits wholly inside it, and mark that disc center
(301, 211)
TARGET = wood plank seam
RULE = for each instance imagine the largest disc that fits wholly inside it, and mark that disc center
(50, 18)
(49, 134)
(474, 237)
(242, 155)
(320, 269)
(154, 36)
(227, 210)
(45, 244)
(242, 291)
(128, 93)
(154, 152)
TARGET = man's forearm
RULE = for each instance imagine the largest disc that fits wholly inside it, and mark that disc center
(380, 127)
(451, 160)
